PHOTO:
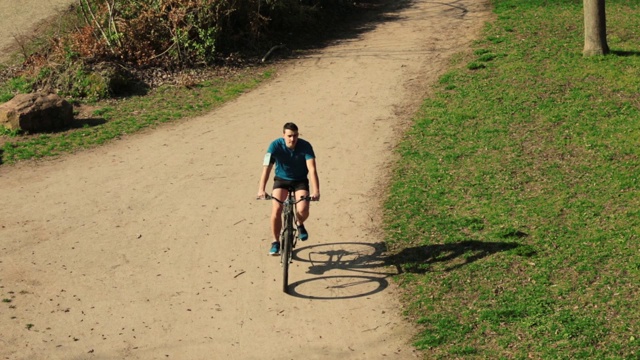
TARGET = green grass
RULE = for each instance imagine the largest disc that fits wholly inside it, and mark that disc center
(514, 208)
(126, 116)
(14, 86)
(9, 132)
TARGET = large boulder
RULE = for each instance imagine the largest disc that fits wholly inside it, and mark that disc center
(36, 112)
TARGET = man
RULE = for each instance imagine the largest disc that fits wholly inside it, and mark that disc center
(295, 167)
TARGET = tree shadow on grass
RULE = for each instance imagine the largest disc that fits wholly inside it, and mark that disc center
(420, 259)
(87, 122)
(625, 53)
(77, 124)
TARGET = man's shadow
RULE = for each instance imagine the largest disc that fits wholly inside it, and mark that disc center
(369, 265)
(420, 259)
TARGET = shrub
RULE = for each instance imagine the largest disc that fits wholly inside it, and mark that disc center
(168, 34)
(179, 33)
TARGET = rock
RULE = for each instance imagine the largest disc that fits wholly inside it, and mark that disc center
(36, 112)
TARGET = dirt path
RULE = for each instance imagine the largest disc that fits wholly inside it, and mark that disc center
(20, 17)
(152, 247)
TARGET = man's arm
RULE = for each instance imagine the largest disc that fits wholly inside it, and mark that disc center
(266, 170)
(313, 179)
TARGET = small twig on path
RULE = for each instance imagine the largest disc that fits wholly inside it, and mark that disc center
(242, 272)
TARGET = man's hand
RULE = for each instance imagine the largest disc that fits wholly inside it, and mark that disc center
(261, 195)
(315, 196)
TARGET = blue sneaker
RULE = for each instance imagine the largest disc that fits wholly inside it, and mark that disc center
(275, 248)
(302, 233)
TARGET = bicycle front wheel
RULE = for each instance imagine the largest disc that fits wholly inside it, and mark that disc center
(286, 253)
(286, 259)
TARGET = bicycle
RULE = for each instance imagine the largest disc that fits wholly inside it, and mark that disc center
(288, 238)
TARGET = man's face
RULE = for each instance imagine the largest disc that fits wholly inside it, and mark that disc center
(290, 138)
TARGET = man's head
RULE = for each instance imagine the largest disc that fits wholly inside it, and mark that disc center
(290, 134)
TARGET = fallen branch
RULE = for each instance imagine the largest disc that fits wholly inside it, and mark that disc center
(272, 50)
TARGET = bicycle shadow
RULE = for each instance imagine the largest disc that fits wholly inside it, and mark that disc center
(360, 266)
(368, 266)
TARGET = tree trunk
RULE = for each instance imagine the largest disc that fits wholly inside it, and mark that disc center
(595, 28)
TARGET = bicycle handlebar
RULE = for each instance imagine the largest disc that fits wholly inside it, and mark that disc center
(269, 197)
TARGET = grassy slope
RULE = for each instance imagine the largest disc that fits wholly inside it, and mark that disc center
(114, 119)
(514, 212)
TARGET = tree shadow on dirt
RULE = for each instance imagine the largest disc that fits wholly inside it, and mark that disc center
(362, 17)
(363, 268)
(366, 16)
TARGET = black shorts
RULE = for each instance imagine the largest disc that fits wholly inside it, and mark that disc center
(287, 184)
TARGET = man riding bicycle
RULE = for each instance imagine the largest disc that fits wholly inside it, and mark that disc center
(295, 164)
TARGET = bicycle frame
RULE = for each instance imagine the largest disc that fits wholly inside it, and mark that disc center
(288, 237)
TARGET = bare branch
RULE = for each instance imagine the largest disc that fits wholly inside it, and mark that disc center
(112, 23)
(104, 35)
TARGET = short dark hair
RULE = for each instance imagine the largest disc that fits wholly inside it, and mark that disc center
(290, 126)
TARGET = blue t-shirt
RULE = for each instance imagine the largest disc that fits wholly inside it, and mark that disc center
(291, 164)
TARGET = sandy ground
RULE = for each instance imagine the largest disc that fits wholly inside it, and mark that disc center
(153, 247)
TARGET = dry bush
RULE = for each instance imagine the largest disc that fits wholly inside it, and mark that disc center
(183, 33)
(166, 33)
(128, 36)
